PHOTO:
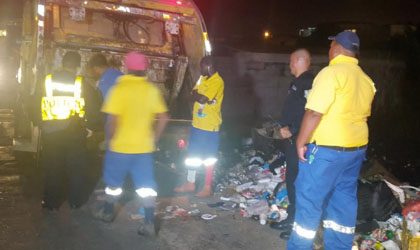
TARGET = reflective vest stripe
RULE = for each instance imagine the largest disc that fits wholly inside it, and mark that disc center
(62, 107)
(78, 87)
(49, 86)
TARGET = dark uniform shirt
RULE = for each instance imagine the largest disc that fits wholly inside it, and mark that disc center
(294, 107)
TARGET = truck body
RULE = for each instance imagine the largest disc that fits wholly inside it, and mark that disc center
(171, 33)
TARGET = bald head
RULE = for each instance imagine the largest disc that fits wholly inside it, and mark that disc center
(300, 60)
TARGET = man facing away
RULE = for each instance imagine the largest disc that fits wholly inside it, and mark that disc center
(137, 117)
(67, 119)
(335, 127)
(204, 136)
(292, 116)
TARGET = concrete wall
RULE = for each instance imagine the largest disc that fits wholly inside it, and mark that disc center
(256, 84)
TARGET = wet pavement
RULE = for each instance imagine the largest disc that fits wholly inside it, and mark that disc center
(24, 225)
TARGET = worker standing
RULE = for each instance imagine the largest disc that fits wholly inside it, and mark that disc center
(291, 118)
(137, 116)
(65, 127)
(204, 136)
(335, 126)
(107, 75)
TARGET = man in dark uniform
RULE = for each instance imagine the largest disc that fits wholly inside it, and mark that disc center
(292, 115)
(67, 120)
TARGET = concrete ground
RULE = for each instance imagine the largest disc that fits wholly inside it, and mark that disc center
(24, 225)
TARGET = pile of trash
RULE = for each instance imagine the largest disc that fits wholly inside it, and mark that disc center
(256, 185)
(398, 232)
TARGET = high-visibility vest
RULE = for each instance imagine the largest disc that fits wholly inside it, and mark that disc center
(62, 100)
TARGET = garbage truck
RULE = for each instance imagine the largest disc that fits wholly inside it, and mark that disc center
(171, 33)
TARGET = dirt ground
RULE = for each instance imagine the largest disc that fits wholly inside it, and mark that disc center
(24, 225)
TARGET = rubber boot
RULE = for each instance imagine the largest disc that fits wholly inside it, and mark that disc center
(205, 192)
(186, 187)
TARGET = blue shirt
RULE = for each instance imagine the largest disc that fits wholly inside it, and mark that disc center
(107, 80)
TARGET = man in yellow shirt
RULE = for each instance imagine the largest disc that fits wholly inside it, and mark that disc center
(204, 135)
(335, 127)
(137, 116)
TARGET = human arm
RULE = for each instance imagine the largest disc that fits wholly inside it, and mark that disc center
(93, 114)
(112, 125)
(202, 99)
(285, 133)
(310, 121)
(161, 121)
(208, 89)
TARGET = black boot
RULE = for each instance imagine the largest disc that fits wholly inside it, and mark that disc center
(285, 225)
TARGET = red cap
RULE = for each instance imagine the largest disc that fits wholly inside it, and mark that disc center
(135, 61)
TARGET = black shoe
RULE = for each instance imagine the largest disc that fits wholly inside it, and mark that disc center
(286, 235)
(283, 226)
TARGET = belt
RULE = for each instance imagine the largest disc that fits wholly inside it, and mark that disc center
(344, 149)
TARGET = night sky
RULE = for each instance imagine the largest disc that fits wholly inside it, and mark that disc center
(247, 17)
(226, 17)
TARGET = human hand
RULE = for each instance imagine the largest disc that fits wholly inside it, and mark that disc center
(285, 133)
(89, 133)
(301, 151)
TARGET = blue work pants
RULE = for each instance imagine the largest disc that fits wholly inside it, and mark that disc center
(326, 187)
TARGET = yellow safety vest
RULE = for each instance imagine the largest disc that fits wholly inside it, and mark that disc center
(65, 104)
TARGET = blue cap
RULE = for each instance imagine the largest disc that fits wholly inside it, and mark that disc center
(348, 39)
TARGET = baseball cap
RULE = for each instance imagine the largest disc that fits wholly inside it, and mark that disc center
(135, 61)
(348, 39)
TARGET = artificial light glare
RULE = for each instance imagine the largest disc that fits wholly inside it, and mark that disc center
(267, 34)
(207, 44)
(41, 9)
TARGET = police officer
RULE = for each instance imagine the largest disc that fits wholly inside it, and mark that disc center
(292, 115)
(65, 127)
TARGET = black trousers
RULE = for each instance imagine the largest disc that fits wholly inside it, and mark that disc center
(292, 169)
(64, 155)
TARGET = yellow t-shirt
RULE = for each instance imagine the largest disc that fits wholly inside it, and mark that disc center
(343, 93)
(135, 102)
(212, 88)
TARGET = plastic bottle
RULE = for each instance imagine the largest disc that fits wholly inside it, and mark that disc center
(263, 219)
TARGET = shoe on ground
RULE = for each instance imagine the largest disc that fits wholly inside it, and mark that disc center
(205, 192)
(147, 230)
(282, 226)
(100, 214)
(186, 187)
(285, 235)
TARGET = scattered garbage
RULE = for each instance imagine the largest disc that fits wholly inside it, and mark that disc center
(208, 216)
(254, 186)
